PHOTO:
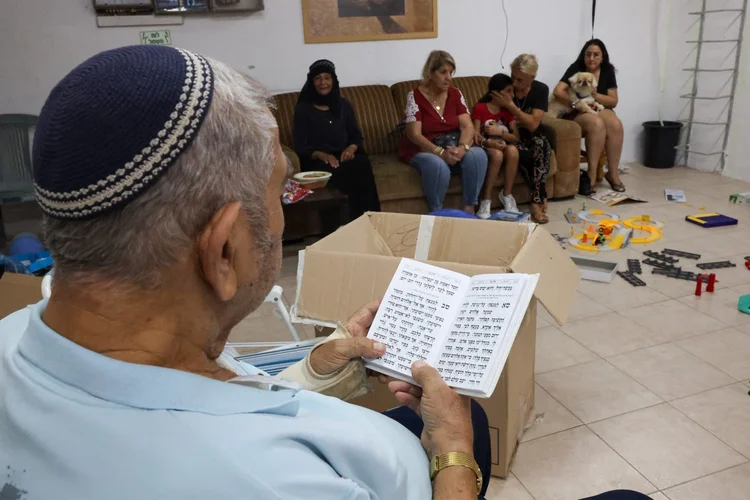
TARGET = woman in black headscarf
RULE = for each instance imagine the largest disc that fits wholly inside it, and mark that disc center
(328, 138)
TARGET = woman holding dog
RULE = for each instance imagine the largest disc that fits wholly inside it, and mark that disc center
(602, 130)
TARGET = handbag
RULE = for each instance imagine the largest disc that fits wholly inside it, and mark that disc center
(449, 140)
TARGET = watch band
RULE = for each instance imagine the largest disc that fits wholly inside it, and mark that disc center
(455, 459)
(466, 147)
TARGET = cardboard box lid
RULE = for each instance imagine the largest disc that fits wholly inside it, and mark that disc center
(558, 275)
(362, 253)
(17, 291)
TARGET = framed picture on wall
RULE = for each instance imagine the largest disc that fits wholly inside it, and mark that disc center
(327, 21)
(237, 5)
(180, 6)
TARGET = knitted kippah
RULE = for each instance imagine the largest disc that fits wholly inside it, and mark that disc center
(113, 126)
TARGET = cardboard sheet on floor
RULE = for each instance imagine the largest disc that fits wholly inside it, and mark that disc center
(355, 264)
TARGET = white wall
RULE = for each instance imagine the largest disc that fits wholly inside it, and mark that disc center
(738, 149)
(41, 40)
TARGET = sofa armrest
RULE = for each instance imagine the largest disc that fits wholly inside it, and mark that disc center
(293, 159)
(568, 156)
(564, 129)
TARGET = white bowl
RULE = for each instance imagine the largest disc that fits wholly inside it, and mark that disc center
(312, 177)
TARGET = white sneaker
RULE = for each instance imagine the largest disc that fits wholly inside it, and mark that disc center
(484, 209)
(509, 203)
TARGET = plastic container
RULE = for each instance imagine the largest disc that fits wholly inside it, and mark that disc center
(661, 140)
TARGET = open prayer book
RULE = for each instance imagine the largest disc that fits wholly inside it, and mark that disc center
(462, 326)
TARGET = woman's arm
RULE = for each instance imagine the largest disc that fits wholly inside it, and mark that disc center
(608, 100)
(467, 130)
(528, 121)
(302, 145)
(561, 93)
(514, 135)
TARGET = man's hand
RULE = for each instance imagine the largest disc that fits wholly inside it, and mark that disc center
(446, 414)
(348, 153)
(334, 355)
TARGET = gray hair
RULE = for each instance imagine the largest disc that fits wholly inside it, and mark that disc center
(230, 159)
(526, 63)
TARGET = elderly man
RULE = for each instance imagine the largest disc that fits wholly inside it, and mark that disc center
(159, 173)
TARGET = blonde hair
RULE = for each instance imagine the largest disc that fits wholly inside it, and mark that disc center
(436, 60)
(526, 63)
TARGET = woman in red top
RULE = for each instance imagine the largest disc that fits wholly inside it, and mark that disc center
(500, 131)
(440, 135)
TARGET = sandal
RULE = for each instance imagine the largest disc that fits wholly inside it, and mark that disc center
(538, 215)
(620, 188)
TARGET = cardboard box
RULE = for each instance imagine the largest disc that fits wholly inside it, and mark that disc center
(355, 264)
(17, 291)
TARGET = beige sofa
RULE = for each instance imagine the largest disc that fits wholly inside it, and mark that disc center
(379, 109)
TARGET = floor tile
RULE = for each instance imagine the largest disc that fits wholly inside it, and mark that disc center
(620, 295)
(548, 417)
(573, 464)
(583, 307)
(610, 334)
(509, 488)
(556, 350)
(658, 496)
(672, 320)
(670, 372)
(728, 350)
(596, 390)
(731, 484)
(725, 412)
(665, 446)
(721, 305)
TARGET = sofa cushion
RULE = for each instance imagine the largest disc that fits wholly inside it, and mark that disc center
(284, 114)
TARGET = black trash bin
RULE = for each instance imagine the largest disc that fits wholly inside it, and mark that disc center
(660, 143)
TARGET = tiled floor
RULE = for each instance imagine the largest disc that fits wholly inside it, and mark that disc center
(643, 388)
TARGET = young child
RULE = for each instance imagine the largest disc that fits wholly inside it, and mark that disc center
(500, 131)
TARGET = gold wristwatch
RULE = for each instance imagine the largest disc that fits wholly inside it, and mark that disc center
(455, 459)
(466, 147)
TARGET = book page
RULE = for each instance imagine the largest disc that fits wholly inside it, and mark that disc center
(415, 316)
(481, 328)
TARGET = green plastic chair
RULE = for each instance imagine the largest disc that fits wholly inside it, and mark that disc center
(16, 174)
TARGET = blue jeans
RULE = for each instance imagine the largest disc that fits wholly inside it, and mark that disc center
(436, 174)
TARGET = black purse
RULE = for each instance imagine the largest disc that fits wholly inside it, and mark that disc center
(449, 140)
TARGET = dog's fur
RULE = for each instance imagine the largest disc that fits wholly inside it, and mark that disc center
(581, 88)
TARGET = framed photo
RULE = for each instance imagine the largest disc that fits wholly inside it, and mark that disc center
(180, 6)
(237, 5)
(327, 21)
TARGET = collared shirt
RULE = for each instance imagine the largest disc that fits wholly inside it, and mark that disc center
(75, 424)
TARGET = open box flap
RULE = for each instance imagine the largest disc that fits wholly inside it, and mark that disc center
(331, 286)
(559, 276)
(357, 237)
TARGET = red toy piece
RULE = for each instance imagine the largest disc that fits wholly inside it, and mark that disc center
(698, 286)
(711, 281)
(747, 264)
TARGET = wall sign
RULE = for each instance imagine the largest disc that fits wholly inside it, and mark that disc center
(161, 37)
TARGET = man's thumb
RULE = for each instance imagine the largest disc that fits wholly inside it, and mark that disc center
(365, 348)
(425, 375)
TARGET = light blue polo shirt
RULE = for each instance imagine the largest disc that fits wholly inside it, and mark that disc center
(78, 425)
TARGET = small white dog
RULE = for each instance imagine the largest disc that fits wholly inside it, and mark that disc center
(582, 86)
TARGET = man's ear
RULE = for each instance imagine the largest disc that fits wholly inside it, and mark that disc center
(217, 252)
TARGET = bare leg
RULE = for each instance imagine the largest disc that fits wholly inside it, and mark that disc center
(511, 169)
(495, 163)
(613, 144)
(595, 133)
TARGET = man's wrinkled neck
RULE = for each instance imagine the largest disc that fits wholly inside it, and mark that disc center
(149, 327)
